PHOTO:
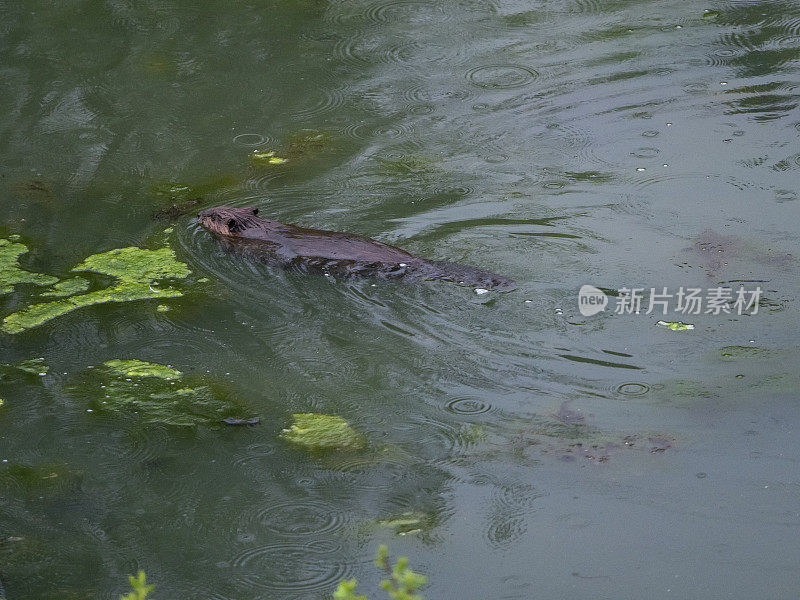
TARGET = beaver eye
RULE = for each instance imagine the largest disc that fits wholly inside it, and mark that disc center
(231, 223)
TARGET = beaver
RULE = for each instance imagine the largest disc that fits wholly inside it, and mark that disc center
(336, 253)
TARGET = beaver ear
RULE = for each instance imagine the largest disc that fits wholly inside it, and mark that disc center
(255, 211)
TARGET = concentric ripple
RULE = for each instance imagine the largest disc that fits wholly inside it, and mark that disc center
(290, 567)
(323, 101)
(393, 10)
(468, 406)
(301, 517)
(365, 131)
(632, 389)
(360, 51)
(501, 76)
(517, 495)
(505, 528)
(249, 139)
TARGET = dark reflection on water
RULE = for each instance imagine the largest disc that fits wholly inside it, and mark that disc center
(515, 447)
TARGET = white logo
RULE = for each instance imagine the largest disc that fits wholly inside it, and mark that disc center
(591, 300)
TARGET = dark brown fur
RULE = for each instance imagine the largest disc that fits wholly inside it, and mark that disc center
(242, 230)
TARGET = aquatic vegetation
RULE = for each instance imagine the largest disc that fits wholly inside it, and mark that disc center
(567, 435)
(307, 141)
(675, 325)
(34, 190)
(323, 432)
(139, 587)
(137, 270)
(11, 273)
(407, 165)
(177, 209)
(734, 352)
(406, 523)
(179, 191)
(402, 582)
(347, 590)
(301, 144)
(43, 480)
(155, 393)
(141, 368)
(30, 369)
(34, 366)
(267, 158)
(67, 287)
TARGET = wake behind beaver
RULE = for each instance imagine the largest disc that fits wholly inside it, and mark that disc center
(241, 230)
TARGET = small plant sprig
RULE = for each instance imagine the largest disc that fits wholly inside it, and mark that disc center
(347, 591)
(402, 584)
(140, 587)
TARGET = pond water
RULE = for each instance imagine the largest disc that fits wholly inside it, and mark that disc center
(530, 451)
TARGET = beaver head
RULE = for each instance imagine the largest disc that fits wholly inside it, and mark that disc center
(227, 220)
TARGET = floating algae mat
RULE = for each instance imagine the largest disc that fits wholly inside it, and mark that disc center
(11, 273)
(32, 366)
(675, 325)
(155, 393)
(267, 158)
(141, 368)
(67, 287)
(323, 432)
(137, 271)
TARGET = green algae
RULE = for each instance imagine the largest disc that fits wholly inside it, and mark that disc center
(318, 432)
(302, 144)
(31, 366)
(137, 270)
(67, 287)
(44, 480)
(406, 523)
(408, 166)
(267, 158)
(471, 433)
(141, 368)
(675, 325)
(734, 352)
(35, 366)
(11, 273)
(181, 191)
(307, 141)
(154, 394)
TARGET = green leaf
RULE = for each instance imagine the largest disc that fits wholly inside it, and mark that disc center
(140, 587)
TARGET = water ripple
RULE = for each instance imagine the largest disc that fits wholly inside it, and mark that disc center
(505, 528)
(632, 389)
(393, 10)
(301, 517)
(501, 76)
(468, 406)
(289, 567)
(318, 102)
